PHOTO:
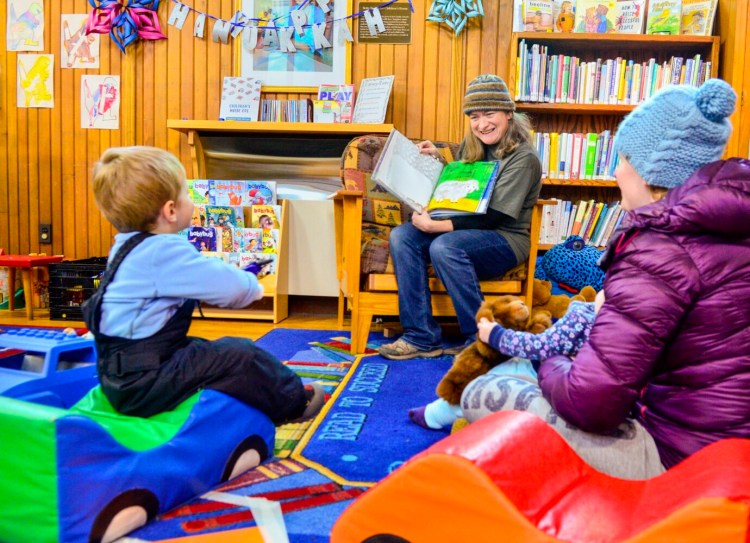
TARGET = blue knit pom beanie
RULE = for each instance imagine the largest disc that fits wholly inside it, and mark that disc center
(677, 131)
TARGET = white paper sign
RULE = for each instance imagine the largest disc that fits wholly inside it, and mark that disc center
(372, 100)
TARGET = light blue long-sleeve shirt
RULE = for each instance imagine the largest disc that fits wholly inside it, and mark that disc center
(158, 276)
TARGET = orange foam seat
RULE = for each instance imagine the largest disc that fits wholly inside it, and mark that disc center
(511, 477)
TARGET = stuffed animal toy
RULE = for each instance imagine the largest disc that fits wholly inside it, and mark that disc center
(572, 264)
(555, 304)
(478, 358)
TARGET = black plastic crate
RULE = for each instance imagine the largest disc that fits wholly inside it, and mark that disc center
(70, 284)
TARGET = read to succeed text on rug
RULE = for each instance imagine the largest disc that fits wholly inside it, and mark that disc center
(365, 432)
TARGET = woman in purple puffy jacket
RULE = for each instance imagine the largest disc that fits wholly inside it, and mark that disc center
(666, 370)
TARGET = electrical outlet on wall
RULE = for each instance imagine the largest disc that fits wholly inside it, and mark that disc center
(45, 233)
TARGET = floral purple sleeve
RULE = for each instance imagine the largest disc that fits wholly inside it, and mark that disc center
(566, 336)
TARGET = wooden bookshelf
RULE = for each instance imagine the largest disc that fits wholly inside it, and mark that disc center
(585, 118)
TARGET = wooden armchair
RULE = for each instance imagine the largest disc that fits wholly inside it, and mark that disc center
(364, 214)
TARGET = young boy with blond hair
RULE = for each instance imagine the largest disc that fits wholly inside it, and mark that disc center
(141, 313)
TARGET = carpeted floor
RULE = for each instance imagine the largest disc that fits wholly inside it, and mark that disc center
(319, 467)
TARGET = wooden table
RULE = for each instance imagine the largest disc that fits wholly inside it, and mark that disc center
(27, 263)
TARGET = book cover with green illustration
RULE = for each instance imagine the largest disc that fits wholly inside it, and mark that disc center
(664, 17)
(463, 187)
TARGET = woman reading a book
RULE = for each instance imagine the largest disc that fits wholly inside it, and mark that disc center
(464, 250)
(666, 369)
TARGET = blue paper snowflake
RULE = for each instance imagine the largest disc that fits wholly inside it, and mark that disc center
(455, 13)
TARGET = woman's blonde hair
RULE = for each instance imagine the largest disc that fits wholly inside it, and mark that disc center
(657, 193)
(132, 184)
(519, 131)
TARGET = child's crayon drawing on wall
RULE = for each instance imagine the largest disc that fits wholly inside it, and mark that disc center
(100, 101)
(35, 82)
(25, 31)
(78, 49)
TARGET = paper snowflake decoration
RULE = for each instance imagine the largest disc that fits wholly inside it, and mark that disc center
(125, 20)
(455, 13)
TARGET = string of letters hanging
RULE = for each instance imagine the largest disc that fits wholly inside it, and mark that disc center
(272, 32)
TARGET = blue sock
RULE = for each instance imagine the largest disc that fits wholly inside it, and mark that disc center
(440, 414)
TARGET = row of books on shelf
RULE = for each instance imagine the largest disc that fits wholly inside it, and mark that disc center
(241, 101)
(567, 79)
(305, 110)
(593, 221)
(225, 239)
(237, 221)
(576, 155)
(673, 17)
(254, 216)
(231, 192)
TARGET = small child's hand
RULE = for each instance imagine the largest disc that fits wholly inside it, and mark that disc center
(485, 327)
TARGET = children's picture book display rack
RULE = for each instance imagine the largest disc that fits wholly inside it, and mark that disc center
(589, 116)
(275, 303)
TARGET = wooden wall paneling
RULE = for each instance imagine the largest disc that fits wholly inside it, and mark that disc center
(400, 112)
(186, 82)
(743, 130)
(146, 85)
(32, 176)
(732, 25)
(22, 197)
(213, 64)
(502, 36)
(200, 75)
(4, 164)
(456, 83)
(160, 83)
(414, 60)
(386, 66)
(430, 93)
(447, 61)
(57, 146)
(173, 76)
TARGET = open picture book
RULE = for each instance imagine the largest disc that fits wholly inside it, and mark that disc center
(425, 184)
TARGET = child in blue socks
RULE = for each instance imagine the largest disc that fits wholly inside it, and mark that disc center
(566, 336)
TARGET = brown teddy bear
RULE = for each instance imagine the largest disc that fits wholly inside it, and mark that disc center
(556, 305)
(478, 358)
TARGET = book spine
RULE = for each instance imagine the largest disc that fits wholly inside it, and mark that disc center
(590, 155)
(676, 67)
(554, 155)
(572, 72)
(689, 71)
(698, 66)
(577, 222)
(597, 81)
(565, 80)
(575, 169)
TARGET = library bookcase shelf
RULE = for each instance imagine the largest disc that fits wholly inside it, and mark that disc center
(596, 118)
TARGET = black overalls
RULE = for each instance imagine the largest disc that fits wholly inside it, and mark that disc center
(146, 376)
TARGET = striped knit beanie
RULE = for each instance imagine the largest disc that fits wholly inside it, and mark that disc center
(677, 131)
(487, 92)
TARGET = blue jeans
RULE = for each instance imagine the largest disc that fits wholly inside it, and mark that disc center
(461, 259)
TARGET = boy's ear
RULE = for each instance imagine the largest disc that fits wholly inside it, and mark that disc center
(169, 212)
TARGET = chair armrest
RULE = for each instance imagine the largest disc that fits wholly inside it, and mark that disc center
(341, 194)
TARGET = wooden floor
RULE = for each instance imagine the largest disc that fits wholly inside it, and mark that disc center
(206, 328)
